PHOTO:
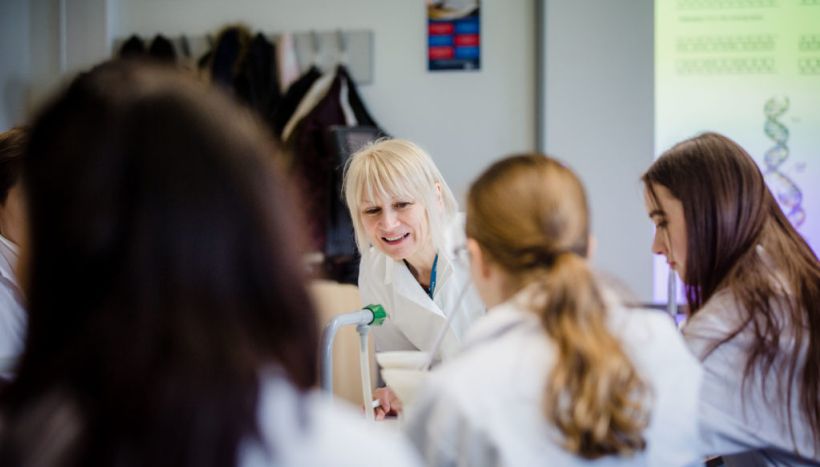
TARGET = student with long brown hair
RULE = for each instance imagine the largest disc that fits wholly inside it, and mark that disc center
(169, 322)
(753, 287)
(558, 372)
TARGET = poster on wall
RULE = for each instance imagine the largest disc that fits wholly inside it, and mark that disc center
(749, 69)
(453, 35)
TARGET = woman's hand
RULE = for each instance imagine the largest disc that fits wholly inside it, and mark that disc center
(389, 404)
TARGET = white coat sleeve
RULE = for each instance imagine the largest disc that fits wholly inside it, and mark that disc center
(12, 327)
(367, 283)
(726, 425)
(444, 435)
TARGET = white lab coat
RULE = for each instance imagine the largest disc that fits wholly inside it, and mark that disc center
(484, 406)
(295, 429)
(307, 430)
(748, 424)
(414, 319)
(12, 312)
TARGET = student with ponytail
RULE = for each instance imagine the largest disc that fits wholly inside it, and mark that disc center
(558, 372)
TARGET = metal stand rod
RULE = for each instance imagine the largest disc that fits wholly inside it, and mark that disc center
(364, 368)
(371, 315)
(364, 317)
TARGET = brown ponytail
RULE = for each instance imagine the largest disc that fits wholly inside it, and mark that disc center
(594, 395)
(529, 215)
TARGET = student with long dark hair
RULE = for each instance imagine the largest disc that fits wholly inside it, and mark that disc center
(753, 287)
(169, 324)
(559, 371)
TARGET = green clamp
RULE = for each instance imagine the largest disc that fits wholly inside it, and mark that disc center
(379, 315)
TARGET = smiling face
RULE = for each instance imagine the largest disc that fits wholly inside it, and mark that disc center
(398, 227)
(666, 213)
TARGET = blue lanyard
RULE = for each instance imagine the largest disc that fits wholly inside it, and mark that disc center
(433, 278)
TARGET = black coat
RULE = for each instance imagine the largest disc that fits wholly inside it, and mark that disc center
(257, 82)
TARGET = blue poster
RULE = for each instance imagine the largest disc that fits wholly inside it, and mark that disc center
(453, 35)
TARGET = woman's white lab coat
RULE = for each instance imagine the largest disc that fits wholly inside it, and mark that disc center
(13, 315)
(297, 429)
(485, 406)
(414, 318)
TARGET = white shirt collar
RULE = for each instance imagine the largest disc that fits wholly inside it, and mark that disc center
(9, 252)
(10, 245)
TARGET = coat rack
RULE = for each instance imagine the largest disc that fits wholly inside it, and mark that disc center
(354, 48)
(324, 49)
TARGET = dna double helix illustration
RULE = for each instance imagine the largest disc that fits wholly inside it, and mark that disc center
(786, 192)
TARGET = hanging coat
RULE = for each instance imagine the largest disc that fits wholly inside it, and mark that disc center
(256, 83)
(162, 50)
(316, 162)
(133, 47)
(310, 144)
(295, 93)
(227, 54)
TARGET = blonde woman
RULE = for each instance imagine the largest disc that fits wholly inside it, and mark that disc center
(406, 223)
(558, 372)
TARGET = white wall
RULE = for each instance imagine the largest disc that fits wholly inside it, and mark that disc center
(597, 87)
(598, 93)
(465, 119)
(86, 33)
(45, 52)
(42, 44)
(15, 67)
